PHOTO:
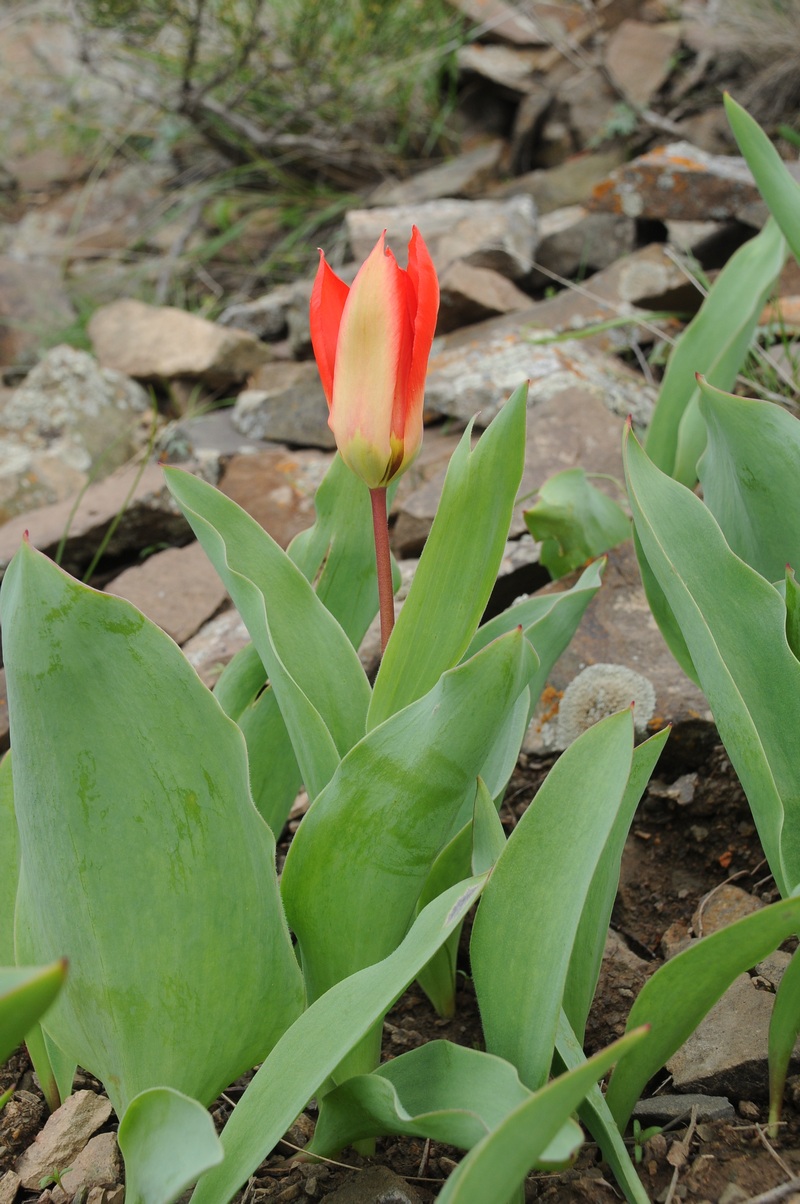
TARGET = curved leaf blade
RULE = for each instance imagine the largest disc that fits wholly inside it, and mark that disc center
(777, 186)
(168, 1141)
(26, 992)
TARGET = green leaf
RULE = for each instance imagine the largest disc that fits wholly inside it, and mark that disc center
(144, 861)
(317, 1042)
(784, 1025)
(499, 1163)
(715, 344)
(26, 992)
(749, 469)
(575, 521)
(590, 938)
(442, 1091)
(597, 1118)
(168, 1141)
(361, 855)
(9, 862)
(341, 545)
(458, 566)
(525, 928)
(54, 1069)
(663, 614)
(275, 776)
(684, 989)
(774, 181)
(792, 599)
(312, 666)
(733, 622)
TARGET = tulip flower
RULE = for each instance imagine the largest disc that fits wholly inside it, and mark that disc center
(372, 342)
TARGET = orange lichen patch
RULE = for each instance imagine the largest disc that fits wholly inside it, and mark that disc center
(656, 723)
(603, 188)
(551, 700)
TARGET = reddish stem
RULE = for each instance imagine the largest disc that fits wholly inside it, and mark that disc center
(383, 561)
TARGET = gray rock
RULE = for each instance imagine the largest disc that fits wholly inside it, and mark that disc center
(640, 57)
(277, 488)
(464, 176)
(267, 317)
(99, 1164)
(469, 294)
(500, 235)
(160, 343)
(285, 404)
(474, 371)
(573, 241)
(34, 307)
(663, 1109)
(63, 1137)
(148, 517)
(74, 412)
(567, 183)
(727, 1053)
(9, 1187)
(375, 1185)
(723, 906)
(512, 70)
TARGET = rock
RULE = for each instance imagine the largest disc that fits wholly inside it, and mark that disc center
(205, 438)
(267, 317)
(68, 419)
(525, 141)
(99, 1164)
(618, 628)
(63, 1137)
(375, 1185)
(640, 58)
(285, 403)
(503, 22)
(474, 371)
(9, 1187)
(500, 235)
(150, 517)
(512, 71)
(573, 241)
(418, 493)
(463, 176)
(666, 1109)
(680, 182)
(598, 691)
(160, 342)
(567, 183)
(177, 589)
(215, 644)
(469, 294)
(726, 904)
(591, 105)
(622, 976)
(647, 279)
(727, 1053)
(277, 488)
(34, 306)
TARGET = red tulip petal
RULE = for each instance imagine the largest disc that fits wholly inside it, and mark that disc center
(328, 298)
(422, 276)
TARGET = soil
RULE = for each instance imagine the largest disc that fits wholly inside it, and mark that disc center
(688, 838)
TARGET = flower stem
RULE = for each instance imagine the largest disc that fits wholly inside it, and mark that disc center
(383, 561)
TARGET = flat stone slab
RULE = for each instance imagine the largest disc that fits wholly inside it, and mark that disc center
(178, 589)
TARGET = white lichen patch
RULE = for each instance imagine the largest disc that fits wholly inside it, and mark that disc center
(601, 690)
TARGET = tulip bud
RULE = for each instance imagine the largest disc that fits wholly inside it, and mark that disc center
(371, 342)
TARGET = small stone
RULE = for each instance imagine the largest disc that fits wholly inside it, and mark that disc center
(748, 1110)
(285, 403)
(63, 1137)
(663, 1109)
(639, 57)
(725, 905)
(9, 1187)
(773, 967)
(375, 1185)
(98, 1164)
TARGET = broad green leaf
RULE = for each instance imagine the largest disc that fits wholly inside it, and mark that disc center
(749, 471)
(792, 599)
(663, 614)
(240, 682)
(775, 183)
(495, 1167)
(458, 566)
(275, 776)
(590, 938)
(319, 1039)
(597, 1118)
(168, 1141)
(443, 1091)
(144, 861)
(26, 992)
(784, 1025)
(733, 622)
(575, 521)
(715, 344)
(340, 544)
(9, 862)
(684, 989)
(54, 1069)
(479, 843)
(312, 666)
(525, 928)
(361, 855)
